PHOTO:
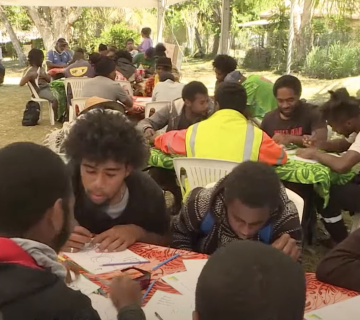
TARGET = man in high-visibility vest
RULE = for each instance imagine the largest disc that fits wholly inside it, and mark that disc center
(226, 135)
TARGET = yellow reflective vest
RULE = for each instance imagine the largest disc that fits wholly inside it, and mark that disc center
(226, 135)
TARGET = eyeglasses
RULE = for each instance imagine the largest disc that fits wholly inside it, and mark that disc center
(143, 279)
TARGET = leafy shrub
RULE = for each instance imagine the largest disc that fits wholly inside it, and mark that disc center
(257, 59)
(337, 61)
(117, 34)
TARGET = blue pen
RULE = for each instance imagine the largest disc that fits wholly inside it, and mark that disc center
(165, 262)
(148, 289)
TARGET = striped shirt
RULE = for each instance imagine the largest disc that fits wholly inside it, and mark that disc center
(186, 227)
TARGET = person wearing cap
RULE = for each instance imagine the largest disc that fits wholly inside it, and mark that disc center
(104, 84)
(163, 64)
(259, 90)
(58, 58)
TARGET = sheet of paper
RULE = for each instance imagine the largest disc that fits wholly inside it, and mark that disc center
(104, 307)
(169, 306)
(184, 282)
(345, 310)
(194, 265)
(84, 285)
(93, 261)
(293, 157)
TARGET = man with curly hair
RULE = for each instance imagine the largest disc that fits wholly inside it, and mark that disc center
(259, 90)
(116, 204)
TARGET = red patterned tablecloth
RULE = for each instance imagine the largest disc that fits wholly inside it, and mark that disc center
(318, 294)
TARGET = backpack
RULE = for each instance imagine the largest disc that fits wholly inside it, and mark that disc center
(31, 114)
(209, 221)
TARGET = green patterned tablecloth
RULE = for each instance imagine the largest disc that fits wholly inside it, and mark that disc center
(293, 171)
(58, 89)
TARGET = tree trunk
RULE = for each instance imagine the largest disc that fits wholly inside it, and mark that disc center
(198, 41)
(216, 45)
(302, 25)
(53, 22)
(15, 41)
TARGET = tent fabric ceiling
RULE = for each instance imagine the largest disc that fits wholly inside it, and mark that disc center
(89, 3)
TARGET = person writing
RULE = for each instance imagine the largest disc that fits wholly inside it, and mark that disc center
(249, 204)
(193, 107)
(104, 84)
(258, 89)
(223, 135)
(294, 121)
(342, 113)
(33, 229)
(116, 205)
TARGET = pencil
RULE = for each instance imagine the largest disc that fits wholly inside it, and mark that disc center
(124, 263)
(165, 262)
(148, 289)
(158, 316)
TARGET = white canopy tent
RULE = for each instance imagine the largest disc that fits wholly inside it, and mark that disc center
(159, 4)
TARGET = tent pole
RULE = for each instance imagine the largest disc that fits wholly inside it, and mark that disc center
(291, 38)
(161, 19)
(225, 27)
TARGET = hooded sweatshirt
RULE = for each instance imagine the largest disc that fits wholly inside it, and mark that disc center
(29, 291)
(187, 225)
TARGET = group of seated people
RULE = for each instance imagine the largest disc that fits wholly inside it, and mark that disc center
(102, 196)
(133, 64)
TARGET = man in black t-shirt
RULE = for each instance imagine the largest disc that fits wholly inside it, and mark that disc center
(116, 204)
(294, 120)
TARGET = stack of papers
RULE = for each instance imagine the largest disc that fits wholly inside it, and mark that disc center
(345, 310)
(176, 306)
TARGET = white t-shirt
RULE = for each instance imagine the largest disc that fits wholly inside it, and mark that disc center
(167, 91)
(354, 139)
(1, 57)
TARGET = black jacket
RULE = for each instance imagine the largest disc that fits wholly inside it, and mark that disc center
(34, 294)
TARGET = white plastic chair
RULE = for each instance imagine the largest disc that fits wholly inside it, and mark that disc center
(80, 102)
(126, 85)
(42, 102)
(76, 85)
(298, 201)
(200, 172)
(156, 106)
